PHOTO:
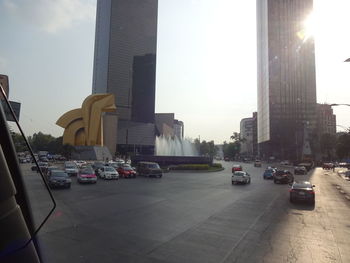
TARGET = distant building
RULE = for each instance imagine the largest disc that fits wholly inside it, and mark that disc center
(178, 128)
(326, 120)
(255, 134)
(125, 65)
(248, 135)
(286, 79)
(167, 125)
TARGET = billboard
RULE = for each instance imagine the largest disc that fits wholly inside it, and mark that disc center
(4, 81)
(16, 106)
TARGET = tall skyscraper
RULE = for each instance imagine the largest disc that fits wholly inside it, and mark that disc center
(125, 65)
(286, 78)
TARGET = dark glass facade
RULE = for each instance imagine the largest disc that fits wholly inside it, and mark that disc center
(286, 78)
(125, 60)
(143, 88)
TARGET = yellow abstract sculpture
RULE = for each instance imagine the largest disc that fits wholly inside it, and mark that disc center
(83, 126)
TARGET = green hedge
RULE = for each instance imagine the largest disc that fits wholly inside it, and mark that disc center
(190, 167)
(216, 165)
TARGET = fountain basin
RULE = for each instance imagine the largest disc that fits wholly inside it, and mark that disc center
(171, 160)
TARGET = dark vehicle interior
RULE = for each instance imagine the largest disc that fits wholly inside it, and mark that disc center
(18, 230)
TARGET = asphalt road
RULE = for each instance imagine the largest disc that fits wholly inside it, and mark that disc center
(193, 217)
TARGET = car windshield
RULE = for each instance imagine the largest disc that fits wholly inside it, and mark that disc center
(109, 169)
(59, 174)
(87, 171)
(153, 166)
(71, 166)
(239, 174)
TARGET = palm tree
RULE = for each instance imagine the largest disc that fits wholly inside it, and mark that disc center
(237, 138)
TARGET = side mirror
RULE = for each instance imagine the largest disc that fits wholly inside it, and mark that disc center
(313, 185)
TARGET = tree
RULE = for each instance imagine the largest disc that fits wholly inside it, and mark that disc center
(236, 137)
(206, 148)
(343, 146)
(19, 142)
(40, 141)
(67, 151)
(231, 149)
(327, 144)
(55, 146)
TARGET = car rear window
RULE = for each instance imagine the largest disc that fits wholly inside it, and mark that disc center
(239, 174)
(280, 172)
(153, 165)
(302, 186)
(59, 174)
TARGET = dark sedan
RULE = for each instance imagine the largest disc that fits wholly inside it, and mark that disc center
(302, 191)
(300, 170)
(59, 178)
(283, 176)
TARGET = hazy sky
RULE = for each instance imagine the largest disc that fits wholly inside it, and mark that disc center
(206, 68)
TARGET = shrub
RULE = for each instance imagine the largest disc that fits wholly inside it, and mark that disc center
(216, 165)
(190, 167)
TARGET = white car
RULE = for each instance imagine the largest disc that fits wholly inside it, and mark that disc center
(240, 177)
(71, 168)
(80, 163)
(108, 172)
(285, 162)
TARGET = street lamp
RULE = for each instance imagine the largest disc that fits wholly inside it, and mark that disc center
(339, 104)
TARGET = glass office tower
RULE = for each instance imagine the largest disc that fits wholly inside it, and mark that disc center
(125, 65)
(286, 79)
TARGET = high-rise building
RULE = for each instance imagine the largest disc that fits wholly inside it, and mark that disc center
(179, 129)
(125, 65)
(326, 120)
(286, 78)
(168, 126)
(248, 135)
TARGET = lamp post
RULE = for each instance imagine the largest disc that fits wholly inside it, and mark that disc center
(339, 104)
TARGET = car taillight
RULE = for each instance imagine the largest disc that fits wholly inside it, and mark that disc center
(292, 190)
(312, 192)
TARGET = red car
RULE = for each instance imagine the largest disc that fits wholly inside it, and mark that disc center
(236, 168)
(126, 171)
(87, 175)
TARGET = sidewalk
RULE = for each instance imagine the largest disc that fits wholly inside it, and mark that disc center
(342, 182)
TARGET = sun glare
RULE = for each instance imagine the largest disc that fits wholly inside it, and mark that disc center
(309, 27)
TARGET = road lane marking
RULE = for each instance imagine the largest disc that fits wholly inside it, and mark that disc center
(268, 207)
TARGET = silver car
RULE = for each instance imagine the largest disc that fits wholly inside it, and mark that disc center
(241, 177)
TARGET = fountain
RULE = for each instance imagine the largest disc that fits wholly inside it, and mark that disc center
(174, 146)
(173, 151)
